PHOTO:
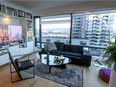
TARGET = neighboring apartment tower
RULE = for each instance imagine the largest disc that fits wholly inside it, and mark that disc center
(98, 29)
(95, 28)
(78, 26)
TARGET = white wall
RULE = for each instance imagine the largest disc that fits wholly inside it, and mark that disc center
(84, 6)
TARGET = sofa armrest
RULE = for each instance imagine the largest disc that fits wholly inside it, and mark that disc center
(86, 52)
(87, 57)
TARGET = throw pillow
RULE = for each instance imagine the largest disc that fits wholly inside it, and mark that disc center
(59, 45)
(73, 48)
(18, 64)
(66, 48)
(51, 46)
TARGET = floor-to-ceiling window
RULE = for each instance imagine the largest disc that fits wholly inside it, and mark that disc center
(89, 29)
(55, 28)
(37, 31)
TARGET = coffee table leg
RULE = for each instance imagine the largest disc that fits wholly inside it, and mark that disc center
(49, 69)
(61, 66)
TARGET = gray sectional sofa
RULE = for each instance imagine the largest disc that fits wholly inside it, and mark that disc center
(74, 52)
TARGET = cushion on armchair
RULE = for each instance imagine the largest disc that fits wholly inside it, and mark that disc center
(21, 65)
(18, 63)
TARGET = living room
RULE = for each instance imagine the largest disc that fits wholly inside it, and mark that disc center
(37, 23)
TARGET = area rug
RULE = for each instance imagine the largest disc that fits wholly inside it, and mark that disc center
(72, 76)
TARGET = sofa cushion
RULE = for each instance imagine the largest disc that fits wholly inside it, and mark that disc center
(65, 53)
(59, 45)
(72, 54)
(80, 49)
(73, 48)
(55, 52)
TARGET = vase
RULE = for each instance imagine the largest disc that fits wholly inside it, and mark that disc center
(112, 82)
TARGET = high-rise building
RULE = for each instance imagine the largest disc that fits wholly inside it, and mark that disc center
(78, 26)
(95, 28)
(99, 27)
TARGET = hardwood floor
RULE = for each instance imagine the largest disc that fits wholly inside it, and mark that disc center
(90, 79)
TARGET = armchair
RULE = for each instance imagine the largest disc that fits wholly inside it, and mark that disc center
(21, 66)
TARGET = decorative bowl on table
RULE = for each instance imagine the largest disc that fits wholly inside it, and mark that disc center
(58, 58)
(57, 61)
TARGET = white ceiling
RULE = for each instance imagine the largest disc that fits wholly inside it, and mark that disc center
(50, 7)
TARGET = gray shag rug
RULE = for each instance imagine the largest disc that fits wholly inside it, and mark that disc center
(72, 76)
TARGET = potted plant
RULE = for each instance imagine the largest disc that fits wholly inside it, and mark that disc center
(111, 62)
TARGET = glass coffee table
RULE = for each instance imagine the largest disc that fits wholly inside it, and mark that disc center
(56, 61)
